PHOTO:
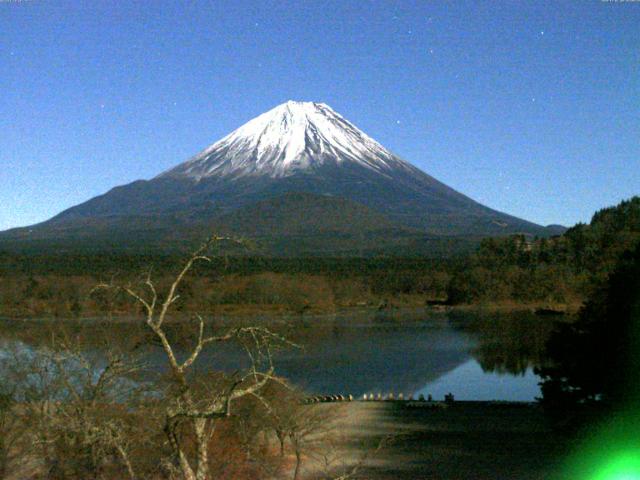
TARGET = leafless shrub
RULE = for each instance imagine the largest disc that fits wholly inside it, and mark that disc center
(76, 407)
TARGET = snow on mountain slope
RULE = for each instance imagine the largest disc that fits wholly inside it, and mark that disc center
(291, 137)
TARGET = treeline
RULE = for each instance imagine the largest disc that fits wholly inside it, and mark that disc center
(516, 270)
(63, 286)
(114, 263)
(561, 269)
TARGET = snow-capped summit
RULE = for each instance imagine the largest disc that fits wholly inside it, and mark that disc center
(291, 137)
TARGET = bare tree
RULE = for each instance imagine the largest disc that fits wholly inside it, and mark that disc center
(10, 431)
(33, 390)
(90, 417)
(193, 408)
(353, 471)
(312, 432)
(308, 430)
(74, 405)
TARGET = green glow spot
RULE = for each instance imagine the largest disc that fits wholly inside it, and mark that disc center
(623, 467)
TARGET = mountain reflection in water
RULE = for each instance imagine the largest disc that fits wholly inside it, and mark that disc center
(474, 356)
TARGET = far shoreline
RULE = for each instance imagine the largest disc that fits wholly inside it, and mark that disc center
(392, 311)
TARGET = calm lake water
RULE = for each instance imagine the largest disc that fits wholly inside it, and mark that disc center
(476, 357)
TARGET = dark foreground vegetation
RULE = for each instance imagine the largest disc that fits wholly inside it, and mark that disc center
(594, 361)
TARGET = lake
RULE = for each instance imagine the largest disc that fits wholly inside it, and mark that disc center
(475, 357)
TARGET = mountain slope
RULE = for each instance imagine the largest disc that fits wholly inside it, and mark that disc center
(295, 147)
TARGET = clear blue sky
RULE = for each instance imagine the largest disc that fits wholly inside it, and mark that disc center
(530, 107)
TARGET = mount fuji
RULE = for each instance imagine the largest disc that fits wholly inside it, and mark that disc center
(300, 179)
